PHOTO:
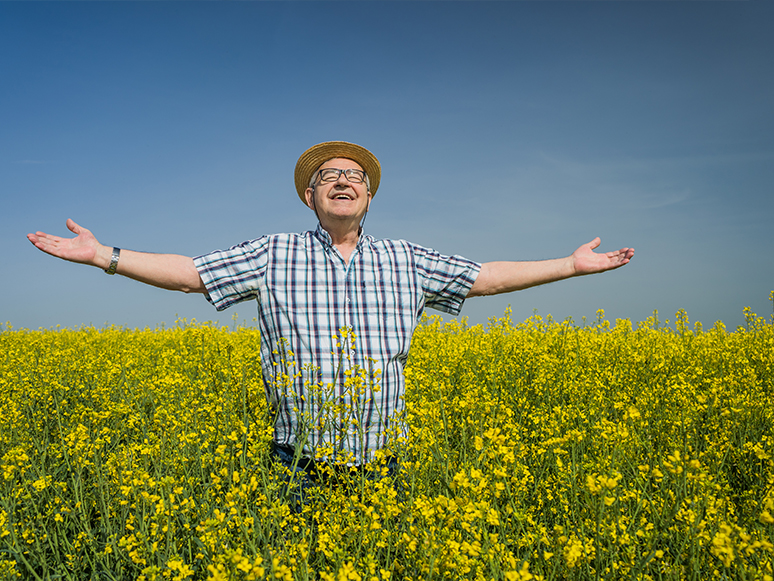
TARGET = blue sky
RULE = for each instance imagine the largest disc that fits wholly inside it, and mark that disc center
(506, 131)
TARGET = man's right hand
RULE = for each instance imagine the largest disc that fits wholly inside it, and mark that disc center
(83, 249)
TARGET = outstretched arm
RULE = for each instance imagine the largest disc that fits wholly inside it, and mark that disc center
(504, 277)
(169, 271)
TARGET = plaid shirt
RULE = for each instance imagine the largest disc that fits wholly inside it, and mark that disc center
(335, 337)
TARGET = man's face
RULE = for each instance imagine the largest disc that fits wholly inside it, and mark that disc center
(340, 199)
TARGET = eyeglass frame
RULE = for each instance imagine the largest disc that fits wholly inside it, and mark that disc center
(341, 171)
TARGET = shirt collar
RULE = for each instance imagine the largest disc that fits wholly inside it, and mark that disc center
(322, 235)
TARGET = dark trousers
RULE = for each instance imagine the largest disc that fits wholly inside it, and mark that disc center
(303, 475)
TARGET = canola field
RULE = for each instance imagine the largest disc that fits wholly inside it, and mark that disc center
(537, 450)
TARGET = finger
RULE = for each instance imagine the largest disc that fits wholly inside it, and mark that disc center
(73, 227)
(42, 238)
(37, 238)
(595, 243)
(40, 241)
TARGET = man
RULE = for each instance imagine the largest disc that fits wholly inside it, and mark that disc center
(337, 308)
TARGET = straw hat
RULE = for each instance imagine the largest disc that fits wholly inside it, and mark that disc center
(317, 155)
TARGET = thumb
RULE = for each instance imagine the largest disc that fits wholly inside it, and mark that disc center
(73, 227)
(595, 243)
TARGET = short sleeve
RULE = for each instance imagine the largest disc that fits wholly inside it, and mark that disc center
(445, 280)
(234, 275)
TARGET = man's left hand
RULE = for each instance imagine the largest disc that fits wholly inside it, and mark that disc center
(586, 261)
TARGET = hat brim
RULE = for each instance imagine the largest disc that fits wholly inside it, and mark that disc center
(315, 156)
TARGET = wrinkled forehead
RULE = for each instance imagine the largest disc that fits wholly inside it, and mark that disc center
(341, 163)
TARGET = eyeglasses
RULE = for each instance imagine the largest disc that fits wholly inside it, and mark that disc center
(331, 174)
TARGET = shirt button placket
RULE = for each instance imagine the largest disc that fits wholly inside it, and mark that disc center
(348, 319)
(348, 308)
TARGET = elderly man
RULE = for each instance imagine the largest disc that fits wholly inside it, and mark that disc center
(336, 305)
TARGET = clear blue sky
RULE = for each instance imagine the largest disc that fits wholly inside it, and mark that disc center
(506, 131)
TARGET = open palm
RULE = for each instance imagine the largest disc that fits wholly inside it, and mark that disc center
(82, 248)
(586, 261)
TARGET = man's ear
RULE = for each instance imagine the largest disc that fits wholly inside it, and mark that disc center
(370, 197)
(309, 194)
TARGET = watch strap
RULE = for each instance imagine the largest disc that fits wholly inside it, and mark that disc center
(113, 261)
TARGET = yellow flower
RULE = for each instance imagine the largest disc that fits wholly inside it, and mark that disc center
(573, 553)
(522, 574)
(593, 483)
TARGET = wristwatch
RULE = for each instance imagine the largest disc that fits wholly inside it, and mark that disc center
(113, 261)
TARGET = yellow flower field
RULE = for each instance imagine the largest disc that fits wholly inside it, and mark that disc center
(537, 450)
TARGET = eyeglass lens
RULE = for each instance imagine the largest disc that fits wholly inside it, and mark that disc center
(332, 174)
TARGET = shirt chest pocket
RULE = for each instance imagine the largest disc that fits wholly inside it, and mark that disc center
(388, 301)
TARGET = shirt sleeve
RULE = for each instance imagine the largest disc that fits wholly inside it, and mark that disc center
(446, 280)
(234, 275)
